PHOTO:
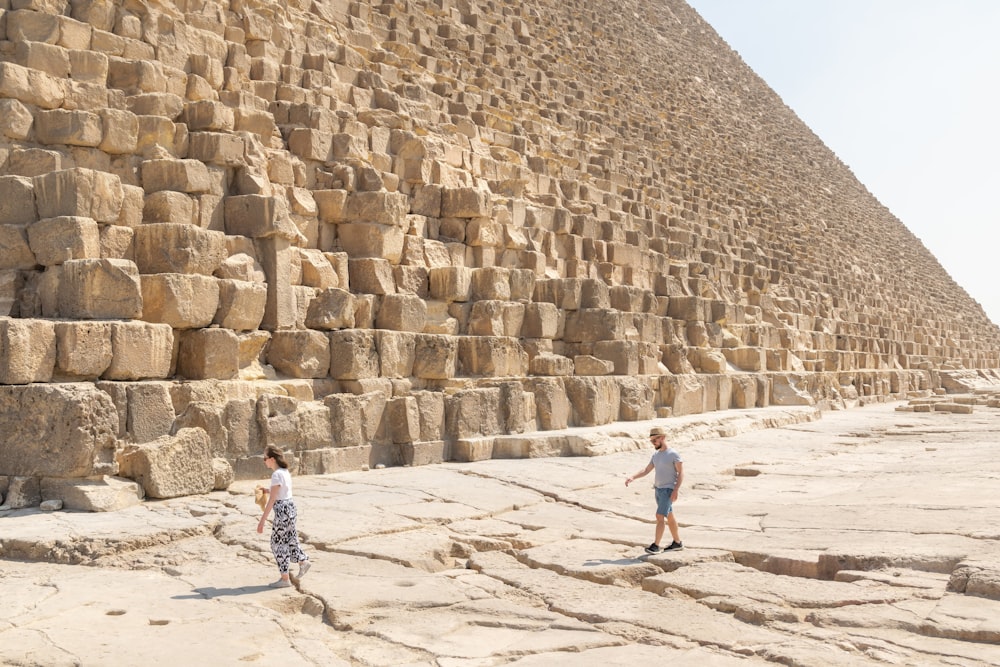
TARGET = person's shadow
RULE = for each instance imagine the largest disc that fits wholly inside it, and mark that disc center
(210, 592)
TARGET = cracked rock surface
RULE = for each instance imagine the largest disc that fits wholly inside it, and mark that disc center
(866, 537)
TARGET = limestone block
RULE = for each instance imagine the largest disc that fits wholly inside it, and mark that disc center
(424, 453)
(55, 240)
(55, 430)
(316, 269)
(83, 349)
(101, 493)
(427, 201)
(684, 394)
(140, 350)
(396, 353)
(184, 301)
(99, 289)
(27, 350)
(430, 406)
(451, 283)
(241, 305)
(21, 83)
(522, 284)
(586, 364)
(412, 280)
(551, 364)
(353, 354)
(208, 115)
(348, 146)
(189, 176)
(496, 318)
(275, 255)
(217, 148)
(17, 200)
(71, 128)
(746, 358)
(241, 266)
(98, 13)
(468, 450)
(491, 356)
(383, 208)
(149, 411)
(491, 282)
(168, 206)
(595, 324)
(435, 356)
(624, 354)
(116, 242)
(79, 192)
(473, 412)
(10, 286)
(15, 253)
(178, 248)
(338, 459)
(403, 416)
(369, 239)
(484, 232)
(300, 354)
(23, 492)
(310, 144)
(171, 466)
(744, 392)
(371, 275)
(790, 389)
(258, 217)
(223, 474)
(331, 204)
(690, 308)
(402, 312)
(17, 120)
(594, 400)
(464, 203)
(331, 309)
(347, 420)
(161, 104)
(208, 354)
(637, 399)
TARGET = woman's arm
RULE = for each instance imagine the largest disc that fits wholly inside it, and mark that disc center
(267, 509)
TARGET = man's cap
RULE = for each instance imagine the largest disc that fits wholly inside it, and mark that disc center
(657, 430)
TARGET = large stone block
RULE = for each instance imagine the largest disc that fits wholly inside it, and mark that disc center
(331, 309)
(624, 354)
(491, 356)
(353, 354)
(149, 411)
(402, 312)
(208, 354)
(258, 217)
(100, 493)
(17, 200)
(371, 275)
(55, 240)
(473, 412)
(183, 301)
(79, 192)
(241, 305)
(300, 354)
(83, 349)
(435, 357)
(15, 253)
(595, 400)
(369, 239)
(541, 320)
(451, 283)
(99, 289)
(403, 417)
(396, 352)
(178, 248)
(189, 176)
(27, 350)
(491, 282)
(464, 203)
(595, 324)
(496, 318)
(140, 351)
(171, 466)
(56, 430)
(71, 128)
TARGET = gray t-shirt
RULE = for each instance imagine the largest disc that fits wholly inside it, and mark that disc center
(665, 471)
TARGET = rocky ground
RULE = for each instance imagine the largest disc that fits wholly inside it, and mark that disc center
(864, 537)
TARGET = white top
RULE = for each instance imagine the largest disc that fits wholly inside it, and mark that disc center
(282, 478)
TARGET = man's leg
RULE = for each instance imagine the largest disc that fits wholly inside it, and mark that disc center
(672, 524)
(659, 528)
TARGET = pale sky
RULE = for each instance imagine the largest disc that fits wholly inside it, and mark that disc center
(907, 94)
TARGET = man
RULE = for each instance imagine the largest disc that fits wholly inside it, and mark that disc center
(669, 475)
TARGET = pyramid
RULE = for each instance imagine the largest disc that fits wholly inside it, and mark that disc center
(397, 232)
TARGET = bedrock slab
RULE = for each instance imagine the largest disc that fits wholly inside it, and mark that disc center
(865, 537)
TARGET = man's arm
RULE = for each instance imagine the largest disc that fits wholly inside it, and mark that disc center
(679, 467)
(641, 473)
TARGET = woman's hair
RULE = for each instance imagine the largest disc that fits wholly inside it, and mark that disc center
(277, 455)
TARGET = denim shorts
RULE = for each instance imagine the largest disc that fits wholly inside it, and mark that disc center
(663, 504)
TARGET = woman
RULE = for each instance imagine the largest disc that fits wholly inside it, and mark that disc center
(284, 536)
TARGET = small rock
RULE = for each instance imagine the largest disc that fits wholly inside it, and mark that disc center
(51, 505)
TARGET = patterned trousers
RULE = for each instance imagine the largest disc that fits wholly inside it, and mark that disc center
(285, 537)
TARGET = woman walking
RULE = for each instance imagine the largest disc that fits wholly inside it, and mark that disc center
(284, 536)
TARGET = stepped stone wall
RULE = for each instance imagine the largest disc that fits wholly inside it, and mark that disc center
(389, 231)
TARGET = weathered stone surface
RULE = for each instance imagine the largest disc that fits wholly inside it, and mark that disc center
(99, 289)
(140, 350)
(170, 466)
(27, 351)
(182, 300)
(55, 430)
(83, 349)
(79, 192)
(208, 354)
(178, 248)
(96, 494)
(55, 240)
(300, 353)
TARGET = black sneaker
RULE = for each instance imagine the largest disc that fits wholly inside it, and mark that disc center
(673, 546)
(653, 548)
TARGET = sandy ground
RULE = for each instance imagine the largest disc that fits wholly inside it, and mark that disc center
(865, 537)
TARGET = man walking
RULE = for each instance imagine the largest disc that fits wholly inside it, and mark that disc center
(669, 475)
